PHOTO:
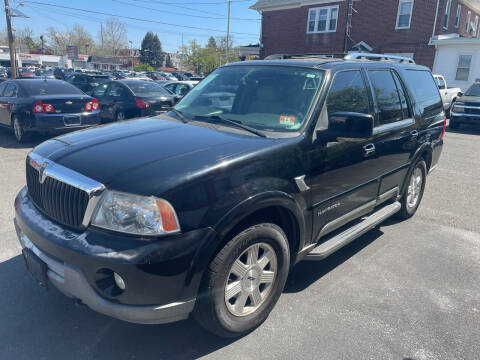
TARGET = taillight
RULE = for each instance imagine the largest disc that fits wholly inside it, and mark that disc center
(444, 127)
(141, 104)
(91, 105)
(40, 107)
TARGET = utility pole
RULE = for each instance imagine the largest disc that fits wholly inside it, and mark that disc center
(228, 32)
(10, 41)
(348, 26)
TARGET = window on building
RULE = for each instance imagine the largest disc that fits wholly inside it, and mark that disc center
(323, 19)
(475, 27)
(467, 22)
(404, 14)
(457, 17)
(463, 68)
(446, 18)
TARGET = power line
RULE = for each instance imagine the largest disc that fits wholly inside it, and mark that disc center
(134, 18)
(176, 13)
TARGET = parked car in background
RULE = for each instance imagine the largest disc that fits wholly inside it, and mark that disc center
(125, 99)
(43, 73)
(203, 211)
(26, 73)
(180, 88)
(45, 106)
(87, 82)
(466, 108)
(448, 94)
(61, 73)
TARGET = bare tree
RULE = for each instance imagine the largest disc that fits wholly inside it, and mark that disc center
(114, 36)
(77, 36)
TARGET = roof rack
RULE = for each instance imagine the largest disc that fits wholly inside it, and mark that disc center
(304, 56)
(378, 57)
(350, 56)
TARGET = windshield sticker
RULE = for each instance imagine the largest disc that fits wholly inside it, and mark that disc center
(287, 120)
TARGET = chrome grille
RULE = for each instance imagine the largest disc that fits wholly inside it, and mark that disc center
(58, 200)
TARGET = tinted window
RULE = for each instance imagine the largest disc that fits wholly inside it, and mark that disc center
(11, 90)
(386, 95)
(403, 97)
(441, 83)
(2, 88)
(52, 87)
(99, 79)
(115, 90)
(146, 89)
(473, 90)
(100, 90)
(348, 93)
(424, 89)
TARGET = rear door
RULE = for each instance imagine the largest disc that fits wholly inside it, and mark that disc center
(3, 105)
(99, 93)
(8, 100)
(395, 132)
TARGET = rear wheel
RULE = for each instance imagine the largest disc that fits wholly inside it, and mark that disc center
(244, 281)
(18, 130)
(413, 193)
(119, 116)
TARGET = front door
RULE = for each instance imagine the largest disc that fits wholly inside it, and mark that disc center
(342, 173)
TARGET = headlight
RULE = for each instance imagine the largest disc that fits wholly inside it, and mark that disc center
(134, 214)
(458, 109)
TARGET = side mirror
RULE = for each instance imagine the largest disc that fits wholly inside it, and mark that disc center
(460, 93)
(350, 125)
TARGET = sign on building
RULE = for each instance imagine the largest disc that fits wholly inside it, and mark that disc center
(72, 52)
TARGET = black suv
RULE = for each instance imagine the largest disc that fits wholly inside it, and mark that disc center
(205, 209)
(466, 108)
(87, 82)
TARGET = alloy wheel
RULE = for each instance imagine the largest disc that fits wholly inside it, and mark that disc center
(250, 279)
(414, 188)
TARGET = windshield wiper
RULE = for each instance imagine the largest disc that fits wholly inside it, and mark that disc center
(180, 115)
(236, 123)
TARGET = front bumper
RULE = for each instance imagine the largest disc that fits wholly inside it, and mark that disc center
(162, 276)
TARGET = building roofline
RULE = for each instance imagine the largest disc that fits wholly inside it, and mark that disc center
(270, 5)
(473, 4)
(455, 41)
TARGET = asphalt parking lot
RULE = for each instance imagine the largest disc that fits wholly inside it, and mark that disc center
(408, 290)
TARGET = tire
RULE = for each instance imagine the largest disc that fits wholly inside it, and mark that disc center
(20, 134)
(219, 304)
(120, 116)
(413, 193)
(454, 125)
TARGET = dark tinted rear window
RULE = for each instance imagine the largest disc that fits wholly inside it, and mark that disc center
(41, 87)
(423, 86)
(474, 90)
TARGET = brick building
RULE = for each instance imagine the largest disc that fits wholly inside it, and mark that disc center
(401, 27)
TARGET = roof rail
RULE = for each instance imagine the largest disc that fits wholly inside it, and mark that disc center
(304, 56)
(378, 57)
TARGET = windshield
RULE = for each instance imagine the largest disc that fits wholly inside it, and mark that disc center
(146, 89)
(42, 87)
(269, 98)
(474, 90)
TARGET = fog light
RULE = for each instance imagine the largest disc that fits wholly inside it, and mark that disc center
(119, 281)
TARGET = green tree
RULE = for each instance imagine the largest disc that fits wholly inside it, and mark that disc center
(151, 50)
(143, 67)
(212, 43)
(168, 61)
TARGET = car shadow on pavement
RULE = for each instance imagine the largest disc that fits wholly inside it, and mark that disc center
(36, 324)
(307, 272)
(8, 141)
(39, 324)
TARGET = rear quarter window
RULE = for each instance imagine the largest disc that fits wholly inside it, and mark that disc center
(424, 90)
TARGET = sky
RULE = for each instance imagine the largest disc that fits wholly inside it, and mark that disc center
(196, 19)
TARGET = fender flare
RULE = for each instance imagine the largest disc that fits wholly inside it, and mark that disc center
(425, 147)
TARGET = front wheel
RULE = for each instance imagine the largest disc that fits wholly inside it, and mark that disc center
(244, 281)
(413, 193)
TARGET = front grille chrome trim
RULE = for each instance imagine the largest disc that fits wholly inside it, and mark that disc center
(48, 168)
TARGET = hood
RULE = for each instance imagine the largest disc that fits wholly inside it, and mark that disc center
(468, 99)
(147, 155)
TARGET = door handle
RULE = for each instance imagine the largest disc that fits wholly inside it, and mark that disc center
(414, 134)
(369, 149)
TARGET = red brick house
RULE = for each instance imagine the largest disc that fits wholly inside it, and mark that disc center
(401, 27)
